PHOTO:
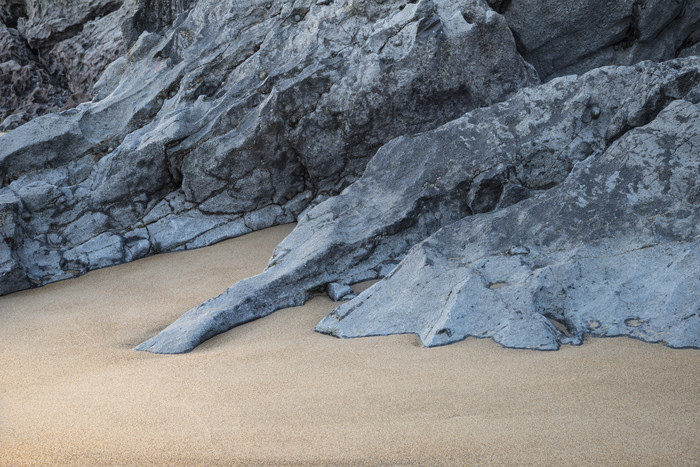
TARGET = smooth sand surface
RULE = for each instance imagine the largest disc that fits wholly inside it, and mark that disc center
(73, 392)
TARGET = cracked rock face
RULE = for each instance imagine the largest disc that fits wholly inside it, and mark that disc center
(575, 202)
(52, 52)
(574, 36)
(613, 250)
(237, 119)
(405, 136)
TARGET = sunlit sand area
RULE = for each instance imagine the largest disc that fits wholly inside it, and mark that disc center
(72, 390)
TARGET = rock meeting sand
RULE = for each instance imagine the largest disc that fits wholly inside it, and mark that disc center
(73, 392)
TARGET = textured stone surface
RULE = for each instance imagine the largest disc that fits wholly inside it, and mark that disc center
(52, 53)
(238, 119)
(26, 89)
(214, 119)
(563, 145)
(612, 251)
(574, 36)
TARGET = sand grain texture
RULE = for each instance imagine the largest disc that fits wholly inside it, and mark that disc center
(73, 392)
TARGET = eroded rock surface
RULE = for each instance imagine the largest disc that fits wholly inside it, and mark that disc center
(564, 185)
(52, 52)
(213, 119)
(574, 36)
(239, 118)
(614, 250)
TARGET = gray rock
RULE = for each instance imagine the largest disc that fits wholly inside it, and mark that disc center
(540, 139)
(613, 250)
(338, 291)
(574, 36)
(53, 52)
(10, 269)
(252, 126)
(26, 89)
(219, 120)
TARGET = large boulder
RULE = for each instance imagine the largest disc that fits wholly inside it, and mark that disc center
(575, 201)
(239, 118)
(614, 250)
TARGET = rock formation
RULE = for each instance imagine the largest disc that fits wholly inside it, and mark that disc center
(574, 36)
(210, 132)
(53, 51)
(545, 202)
(422, 126)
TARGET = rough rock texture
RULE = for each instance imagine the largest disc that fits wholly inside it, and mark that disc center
(573, 36)
(543, 198)
(26, 88)
(237, 120)
(220, 118)
(52, 53)
(614, 250)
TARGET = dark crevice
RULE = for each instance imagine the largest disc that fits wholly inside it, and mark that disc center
(692, 39)
(519, 45)
(651, 108)
(630, 37)
(14, 10)
(153, 16)
(486, 195)
(174, 159)
(499, 6)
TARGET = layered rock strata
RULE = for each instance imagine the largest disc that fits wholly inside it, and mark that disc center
(575, 201)
(237, 120)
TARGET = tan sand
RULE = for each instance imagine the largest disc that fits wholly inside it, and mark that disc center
(73, 392)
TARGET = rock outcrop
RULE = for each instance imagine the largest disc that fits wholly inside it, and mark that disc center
(237, 120)
(574, 36)
(53, 52)
(531, 209)
(614, 250)
(394, 131)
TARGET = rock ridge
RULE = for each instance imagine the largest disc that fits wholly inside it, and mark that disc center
(476, 176)
(406, 136)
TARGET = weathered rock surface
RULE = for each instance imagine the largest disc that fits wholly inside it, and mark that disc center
(26, 89)
(574, 36)
(220, 118)
(613, 250)
(238, 119)
(52, 53)
(553, 192)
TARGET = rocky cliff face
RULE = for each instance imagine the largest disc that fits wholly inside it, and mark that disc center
(220, 119)
(574, 36)
(238, 120)
(52, 53)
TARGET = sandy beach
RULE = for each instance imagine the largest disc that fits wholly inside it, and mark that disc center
(73, 392)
